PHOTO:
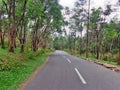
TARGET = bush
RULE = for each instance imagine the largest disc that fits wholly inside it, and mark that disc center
(7, 65)
(11, 61)
(110, 57)
(32, 54)
(115, 51)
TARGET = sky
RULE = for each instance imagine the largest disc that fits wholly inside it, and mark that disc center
(94, 3)
(69, 3)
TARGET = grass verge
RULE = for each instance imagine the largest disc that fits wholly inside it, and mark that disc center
(109, 61)
(14, 73)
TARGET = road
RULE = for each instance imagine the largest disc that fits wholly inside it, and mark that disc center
(67, 72)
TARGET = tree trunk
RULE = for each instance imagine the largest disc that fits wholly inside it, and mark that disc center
(81, 44)
(44, 45)
(12, 37)
(2, 39)
(22, 37)
(97, 52)
(88, 29)
(22, 46)
(2, 42)
(111, 44)
(119, 51)
(0, 36)
(12, 43)
(35, 45)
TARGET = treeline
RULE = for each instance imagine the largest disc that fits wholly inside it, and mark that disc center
(28, 23)
(92, 32)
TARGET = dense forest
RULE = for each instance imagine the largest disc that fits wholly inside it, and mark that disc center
(28, 24)
(92, 31)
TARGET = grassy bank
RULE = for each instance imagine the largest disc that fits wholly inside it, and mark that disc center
(108, 58)
(16, 68)
(111, 61)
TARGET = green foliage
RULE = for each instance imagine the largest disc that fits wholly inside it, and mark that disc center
(60, 42)
(35, 9)
(32, 54)
(95, 15)
(7, 65)
(16, 68)
(10, 61)
(102, 38)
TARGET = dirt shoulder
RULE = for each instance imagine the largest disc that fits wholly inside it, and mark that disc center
(109, 66)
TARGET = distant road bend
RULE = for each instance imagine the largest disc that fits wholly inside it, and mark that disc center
(67, 72)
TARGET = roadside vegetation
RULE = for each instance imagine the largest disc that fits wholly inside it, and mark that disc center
(27, 28)
(93, 32)
(15, 68)
(110, 61)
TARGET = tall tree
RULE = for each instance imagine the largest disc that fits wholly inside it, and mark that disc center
(13, 21)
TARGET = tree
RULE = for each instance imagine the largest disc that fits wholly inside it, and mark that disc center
(2, 33)
(87, 29)
(95, 21)
(36, 19)
(13, 20)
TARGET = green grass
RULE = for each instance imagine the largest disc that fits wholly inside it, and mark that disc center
(12, 78)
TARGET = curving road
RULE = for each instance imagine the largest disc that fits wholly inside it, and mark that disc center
(67, 72)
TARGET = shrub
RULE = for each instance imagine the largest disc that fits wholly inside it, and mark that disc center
(32, 54)
(6, 65)
(11, 61)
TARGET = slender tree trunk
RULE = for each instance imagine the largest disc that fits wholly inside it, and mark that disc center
(2, 42)
(119, 50)
(22, 37)
(22, 48)
(0, 36)
(12, 43)
(13, 29)
(81, 44)
(2, 39)
(44, 45)
(111, 44)
(97, 37)
(22, 45)
(35, 43)
(12, 38)
(88, 29)
(34, 40)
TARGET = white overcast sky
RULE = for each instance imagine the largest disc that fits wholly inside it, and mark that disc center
(94, 3)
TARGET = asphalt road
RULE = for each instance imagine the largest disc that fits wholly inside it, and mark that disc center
(67, 72)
